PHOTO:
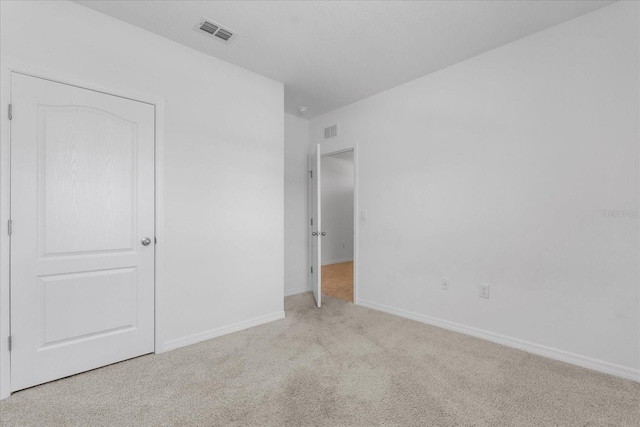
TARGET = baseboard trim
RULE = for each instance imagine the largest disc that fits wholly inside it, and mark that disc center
(540, 350)
(296, 291)
(337, 261)
(224, 330)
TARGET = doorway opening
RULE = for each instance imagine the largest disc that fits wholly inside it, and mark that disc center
(337, 253)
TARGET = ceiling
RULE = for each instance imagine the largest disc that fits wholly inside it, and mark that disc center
(332, 53)
(345, 155)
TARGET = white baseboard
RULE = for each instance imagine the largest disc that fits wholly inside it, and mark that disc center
(296, 291)
(224, 330)
(337, 261)
(541, 350)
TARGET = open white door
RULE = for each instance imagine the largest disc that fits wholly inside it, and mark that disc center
(316, 234)
(82, 242)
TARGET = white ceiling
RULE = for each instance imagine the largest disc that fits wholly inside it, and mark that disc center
(347, 156)
(333, 53)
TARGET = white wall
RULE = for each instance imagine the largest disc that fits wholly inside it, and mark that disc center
(497, 170)
(337, 208)
(223, 151)
(296, 207)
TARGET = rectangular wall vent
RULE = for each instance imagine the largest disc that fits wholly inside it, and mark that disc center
(214, 30)
(331, 132)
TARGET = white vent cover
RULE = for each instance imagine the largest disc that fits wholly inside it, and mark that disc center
(214, 30)
(331, 132)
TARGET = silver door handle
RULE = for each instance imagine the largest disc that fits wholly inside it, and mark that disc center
(146, 241)
(314, 233)
(323, 233)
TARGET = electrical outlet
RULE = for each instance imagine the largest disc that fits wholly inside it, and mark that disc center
(484, 291)
(445, 284)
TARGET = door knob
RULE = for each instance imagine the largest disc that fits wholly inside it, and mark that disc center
(314, 233)
(323, 233)
(146, 241)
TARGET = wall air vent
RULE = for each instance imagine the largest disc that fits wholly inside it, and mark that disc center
(331, 132)
(214, 30)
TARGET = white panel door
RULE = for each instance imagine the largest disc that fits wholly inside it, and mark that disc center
(82, 201)
(316, 227)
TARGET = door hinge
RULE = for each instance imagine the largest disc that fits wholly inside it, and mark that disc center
(10, 112)
(10, 342)
(312, 269)
(311, 174)
(155, 240)
(10, 227)
(311, 221)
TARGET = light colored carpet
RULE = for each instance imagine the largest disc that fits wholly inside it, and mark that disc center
(340, 365)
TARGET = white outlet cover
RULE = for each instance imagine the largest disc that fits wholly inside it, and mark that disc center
(484, 290)
(445, 284)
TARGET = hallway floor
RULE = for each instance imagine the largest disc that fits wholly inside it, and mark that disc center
(337, 280)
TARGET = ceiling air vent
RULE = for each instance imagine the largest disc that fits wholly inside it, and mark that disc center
(212, 29)
(331, 132)
(224, 34)
(208, 27)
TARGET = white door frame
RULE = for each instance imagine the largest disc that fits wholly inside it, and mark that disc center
(7, 67)
(355, 218)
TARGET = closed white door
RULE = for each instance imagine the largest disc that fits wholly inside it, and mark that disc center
(82, 207)
(316, 227)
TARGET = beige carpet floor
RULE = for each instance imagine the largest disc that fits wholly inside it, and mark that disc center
(341, 365)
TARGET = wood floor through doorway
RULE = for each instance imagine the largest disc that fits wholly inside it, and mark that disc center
(337, 280)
